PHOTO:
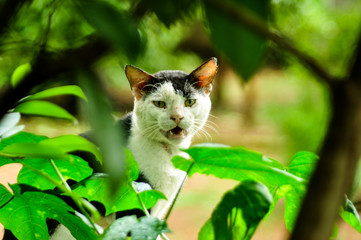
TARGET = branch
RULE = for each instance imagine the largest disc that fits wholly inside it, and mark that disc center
(355, 72)
(339, 156)
(48, 65)
(255, 24)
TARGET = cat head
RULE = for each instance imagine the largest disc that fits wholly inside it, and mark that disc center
(172, 106)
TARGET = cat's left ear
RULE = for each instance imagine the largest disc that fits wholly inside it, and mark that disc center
(204, 75)
(137, 79)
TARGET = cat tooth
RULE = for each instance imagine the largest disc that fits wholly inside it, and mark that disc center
(171, 133)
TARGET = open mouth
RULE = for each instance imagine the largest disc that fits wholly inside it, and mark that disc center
(176, 132)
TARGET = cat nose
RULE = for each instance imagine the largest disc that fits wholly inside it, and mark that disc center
(177, 118)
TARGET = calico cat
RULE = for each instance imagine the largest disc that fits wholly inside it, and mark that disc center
(170, 107)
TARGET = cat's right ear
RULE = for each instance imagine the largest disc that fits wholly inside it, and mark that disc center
(137, 79)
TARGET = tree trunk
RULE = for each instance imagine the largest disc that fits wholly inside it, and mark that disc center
(336, 168)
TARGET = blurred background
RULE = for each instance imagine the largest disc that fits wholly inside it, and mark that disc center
(278, 111)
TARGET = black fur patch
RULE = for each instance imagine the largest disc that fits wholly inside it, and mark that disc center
(179, 79)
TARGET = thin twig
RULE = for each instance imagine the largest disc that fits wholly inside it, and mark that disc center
(254, 23)
(178, 192)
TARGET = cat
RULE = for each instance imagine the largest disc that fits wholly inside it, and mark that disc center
(170, 107)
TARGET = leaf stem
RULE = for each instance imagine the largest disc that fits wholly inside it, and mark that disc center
(178, 192)
(146, 212)
(144, 208)
(78, 200)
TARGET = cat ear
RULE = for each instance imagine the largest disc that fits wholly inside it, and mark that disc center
(204, 75)
(137, 79)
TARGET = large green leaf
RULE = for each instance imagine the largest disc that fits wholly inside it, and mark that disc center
(21, 137)
(71, 143)
(56, 91)
(25, 216)
(239, 213)
(37, 150)
(244, 48)
(72, 168)
(36, 155)
(113, 25)
(140, 229)
(98, 188)
(43, 108)
(235, 163)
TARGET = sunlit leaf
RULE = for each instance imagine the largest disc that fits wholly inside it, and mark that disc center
(36, 154)
(98, 189)
(235, 163)
(302, 164)
(21, 137)
(57, 91)
(26, 214)
(72, 168)
(244, 48)
(20, 73)
(43, 108)
(37, 150)
(140, 229)
(72, 143)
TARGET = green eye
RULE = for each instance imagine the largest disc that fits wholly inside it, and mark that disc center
(189, 102)
(159, 104)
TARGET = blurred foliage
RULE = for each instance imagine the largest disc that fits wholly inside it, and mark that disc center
(148, 34)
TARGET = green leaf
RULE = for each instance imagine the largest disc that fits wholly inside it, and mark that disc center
(303, 164)
(72, 143)
(25, 216)
(244, 49)
(350, 215)
(113, 25)
(98, 188)
(235, 163)
(35, 150)
(140, 229)
(20, 73)
(5, 195)
(37, 155)
(57, 91)
(240, 211)
(21, 137)
(73, 168)
(43, 108)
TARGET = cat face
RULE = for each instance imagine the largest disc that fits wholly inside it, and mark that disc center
(171, 106)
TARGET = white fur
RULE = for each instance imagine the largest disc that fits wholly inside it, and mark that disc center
(153, 150)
